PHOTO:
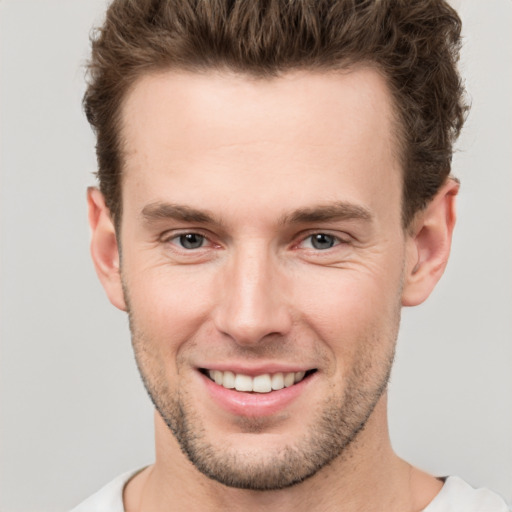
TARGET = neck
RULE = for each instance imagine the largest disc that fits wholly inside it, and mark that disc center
(367, 476)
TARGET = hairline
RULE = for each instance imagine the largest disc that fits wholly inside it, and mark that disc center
(396, 122)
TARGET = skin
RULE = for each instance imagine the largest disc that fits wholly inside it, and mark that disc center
(270, 163)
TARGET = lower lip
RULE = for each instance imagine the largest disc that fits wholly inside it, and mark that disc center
(255, 404)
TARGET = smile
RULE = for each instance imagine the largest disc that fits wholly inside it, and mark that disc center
(264, 383)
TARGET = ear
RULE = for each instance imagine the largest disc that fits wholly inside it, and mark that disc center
(428, 245)
(104, 248)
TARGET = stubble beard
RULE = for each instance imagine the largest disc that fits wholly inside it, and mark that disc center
(338, 422)
(329, 436)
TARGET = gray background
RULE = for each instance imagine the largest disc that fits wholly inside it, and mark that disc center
(73, 412)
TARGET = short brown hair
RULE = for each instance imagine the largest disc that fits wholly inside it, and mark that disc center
(414, 43)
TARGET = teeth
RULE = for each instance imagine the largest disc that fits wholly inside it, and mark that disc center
(277, 381)
(228, 380)
(289, 379)
(264, 383)
(217, 377)
(243, 382)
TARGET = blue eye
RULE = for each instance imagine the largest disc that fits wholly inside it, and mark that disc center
(322, 241)
(191, 241)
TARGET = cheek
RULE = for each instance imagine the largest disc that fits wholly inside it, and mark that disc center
(167, 305)
(348, 309)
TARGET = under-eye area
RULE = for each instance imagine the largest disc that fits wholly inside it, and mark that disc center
(264, 383)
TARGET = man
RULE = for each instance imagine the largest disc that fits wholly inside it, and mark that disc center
(274, 187)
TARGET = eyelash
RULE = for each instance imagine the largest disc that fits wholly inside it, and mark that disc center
(336, 240)
(177, 237)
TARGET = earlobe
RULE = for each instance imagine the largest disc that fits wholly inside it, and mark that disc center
(428, 245)
(104, 248)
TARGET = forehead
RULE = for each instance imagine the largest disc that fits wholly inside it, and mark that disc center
(293, 136)
(173, 101)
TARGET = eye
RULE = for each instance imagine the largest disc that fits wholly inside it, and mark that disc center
(320, 241)
(190, 240)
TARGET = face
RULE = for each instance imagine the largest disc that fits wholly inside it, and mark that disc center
(262, 263)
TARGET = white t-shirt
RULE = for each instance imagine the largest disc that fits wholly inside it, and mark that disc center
(455, 496)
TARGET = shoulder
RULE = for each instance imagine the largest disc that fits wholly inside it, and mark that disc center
(458, 496)
(108, 498)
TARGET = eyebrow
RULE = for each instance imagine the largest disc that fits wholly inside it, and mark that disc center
(320, 213)
(159, 211)
(329, 212)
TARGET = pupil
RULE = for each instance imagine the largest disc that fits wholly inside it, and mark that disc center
(191, 241)
(322, 241)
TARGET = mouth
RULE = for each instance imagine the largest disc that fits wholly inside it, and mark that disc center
(263, 383)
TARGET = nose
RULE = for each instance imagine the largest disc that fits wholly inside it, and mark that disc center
(252, 303)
